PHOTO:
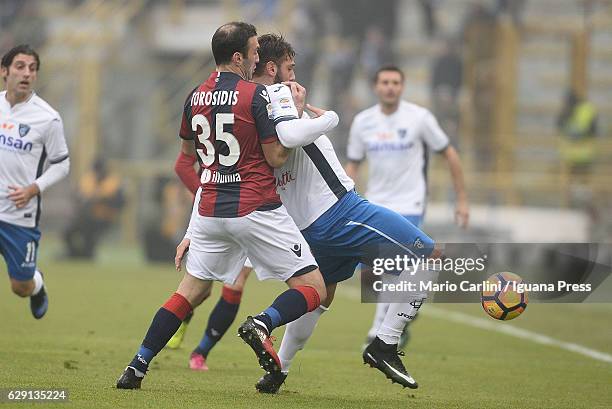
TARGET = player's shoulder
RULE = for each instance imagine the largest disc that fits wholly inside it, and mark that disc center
(366, 115)
(412, 109)
(249, 85)
(255, 92)
(43, 106)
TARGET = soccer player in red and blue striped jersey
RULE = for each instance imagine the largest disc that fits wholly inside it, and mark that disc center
(239, 213)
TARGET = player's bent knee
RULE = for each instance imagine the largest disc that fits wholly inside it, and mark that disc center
(311, 279)
(330, 292)
(241, 280)
(22, 288)
(206, 294)
(194, 289)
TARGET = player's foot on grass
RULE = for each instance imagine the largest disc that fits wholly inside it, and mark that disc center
(177, 339)
(39, 303)
(197, 362)
(271, 382)
(257, 337)
(129, 379)
(386, 358)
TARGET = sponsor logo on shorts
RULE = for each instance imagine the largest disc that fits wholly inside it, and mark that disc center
(297, 250)
(418, 243)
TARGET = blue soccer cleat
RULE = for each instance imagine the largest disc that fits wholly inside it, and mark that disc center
(39, 303)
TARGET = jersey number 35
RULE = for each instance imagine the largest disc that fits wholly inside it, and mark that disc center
(208, 154)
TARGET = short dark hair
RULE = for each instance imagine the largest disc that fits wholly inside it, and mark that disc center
(393, 68)
(272, 47)
(7, 59)
(230, 38)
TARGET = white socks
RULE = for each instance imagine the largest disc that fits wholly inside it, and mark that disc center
(399, 314)
(38, 282)
(296, 334)
(397, 317)
(379, 316)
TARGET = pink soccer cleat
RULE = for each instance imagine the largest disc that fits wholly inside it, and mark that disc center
(197, 362)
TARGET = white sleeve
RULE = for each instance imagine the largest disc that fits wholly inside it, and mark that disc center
(57, 154)
(304, 131)
(355, 150)
(282, 107)
(432, 134)
(293, 132)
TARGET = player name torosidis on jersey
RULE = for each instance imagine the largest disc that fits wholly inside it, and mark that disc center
(33, 395)
(216, 97)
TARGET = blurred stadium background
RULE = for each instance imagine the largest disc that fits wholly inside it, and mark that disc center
(118, 72)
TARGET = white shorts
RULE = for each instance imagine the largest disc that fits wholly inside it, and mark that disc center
(270, 239)
(248, 263)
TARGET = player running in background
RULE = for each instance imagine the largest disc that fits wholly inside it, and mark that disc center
(336, 222)
(239, 213)
(31, 138)
(395, 136)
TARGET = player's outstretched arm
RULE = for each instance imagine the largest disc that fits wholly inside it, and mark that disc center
(304, 131)
(292, 130)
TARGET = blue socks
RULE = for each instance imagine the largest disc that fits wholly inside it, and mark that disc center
(221, 318)
(166, 322)
(289, 306)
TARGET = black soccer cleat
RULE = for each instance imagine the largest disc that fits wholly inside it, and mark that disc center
(129, 379)
(271, 382)
(39, 303)
(386, 358)
(256, 336)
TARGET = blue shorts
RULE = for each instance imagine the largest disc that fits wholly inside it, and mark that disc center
(416, 219)
(355, 230)
(19, 247)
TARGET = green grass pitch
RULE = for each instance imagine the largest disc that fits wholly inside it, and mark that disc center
(99, 313)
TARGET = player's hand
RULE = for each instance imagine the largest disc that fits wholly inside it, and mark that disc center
(316, 112)
(462, 214)
(181, 250)
(299, 95)
(22, 195)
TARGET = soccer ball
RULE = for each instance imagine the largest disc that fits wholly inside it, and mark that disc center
(504, 303)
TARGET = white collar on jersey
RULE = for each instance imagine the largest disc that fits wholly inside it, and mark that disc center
(17, 105)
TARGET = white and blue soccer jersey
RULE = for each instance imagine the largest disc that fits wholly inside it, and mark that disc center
(396, 147)
(31, 137)
(312, 180)
(341, 228)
